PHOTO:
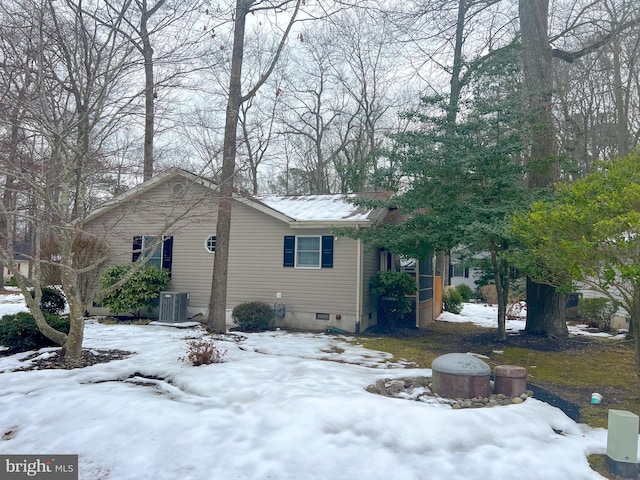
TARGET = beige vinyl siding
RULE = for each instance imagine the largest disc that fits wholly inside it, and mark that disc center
(152, 214)
(256, 269)
(370, 266)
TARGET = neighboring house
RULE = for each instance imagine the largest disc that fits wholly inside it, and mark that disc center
(21, 252)
(282, 250)
(465, 272)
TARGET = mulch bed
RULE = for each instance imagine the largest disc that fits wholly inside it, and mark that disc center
(89, 357)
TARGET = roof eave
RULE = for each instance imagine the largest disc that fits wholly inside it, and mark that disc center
(329, 224)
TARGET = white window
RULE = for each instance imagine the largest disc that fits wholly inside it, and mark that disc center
(308, 252)
(458, 270)
(210, 244)
(152, 248)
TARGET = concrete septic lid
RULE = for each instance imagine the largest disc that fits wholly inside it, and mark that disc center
(460, 364)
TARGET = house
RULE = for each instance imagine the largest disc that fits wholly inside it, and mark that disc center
(21, 260)
(282, 250)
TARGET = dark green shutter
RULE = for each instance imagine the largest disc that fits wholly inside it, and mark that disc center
(137, 248)
(289, 258)
(167, 253)
(327, 251)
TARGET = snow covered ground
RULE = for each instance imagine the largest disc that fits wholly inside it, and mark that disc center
(282, 406)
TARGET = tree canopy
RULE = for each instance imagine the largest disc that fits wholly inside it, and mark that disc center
(589, 233)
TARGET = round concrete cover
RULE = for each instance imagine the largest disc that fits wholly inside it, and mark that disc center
(460, 364)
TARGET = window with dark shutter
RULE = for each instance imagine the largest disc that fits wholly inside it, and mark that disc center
(137, 248)
(161, 257)
(289, 258)
(167, 253)
(327, 251)
(308, 251)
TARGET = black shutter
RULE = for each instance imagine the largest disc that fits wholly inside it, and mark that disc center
(327, 251)
(289, 251)
(167, 253)
(137, 248)
(466, 273)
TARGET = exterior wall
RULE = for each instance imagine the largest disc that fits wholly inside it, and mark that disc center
(152, 214)
(256, 270)
(21, 265)
(470, 280)
(370, 266)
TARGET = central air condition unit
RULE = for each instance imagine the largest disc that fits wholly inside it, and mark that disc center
(173, 306)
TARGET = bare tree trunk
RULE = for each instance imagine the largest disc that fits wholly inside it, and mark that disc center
(149, 88)
(216, 319)
(545, 306)
(501, 279)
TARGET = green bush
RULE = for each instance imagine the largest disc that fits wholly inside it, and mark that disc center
(254, 316)
(11, 281)
(396, 285)
(465, 292)
(140, 291)
(20, 333)
(52, 300)
(598, 312)
(452, 301)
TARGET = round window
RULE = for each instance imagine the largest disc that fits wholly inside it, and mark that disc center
(210, 244)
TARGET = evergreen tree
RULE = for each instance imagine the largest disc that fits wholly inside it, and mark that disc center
(463, 181)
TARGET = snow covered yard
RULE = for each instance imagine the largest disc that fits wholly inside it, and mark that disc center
(281, 406)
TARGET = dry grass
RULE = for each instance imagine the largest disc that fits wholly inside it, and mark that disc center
(571, 369)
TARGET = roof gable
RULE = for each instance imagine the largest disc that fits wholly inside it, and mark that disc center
(296, 210)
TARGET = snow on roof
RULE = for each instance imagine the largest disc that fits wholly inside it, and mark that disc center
(319, 208)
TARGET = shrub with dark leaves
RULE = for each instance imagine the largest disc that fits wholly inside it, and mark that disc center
(20, 332)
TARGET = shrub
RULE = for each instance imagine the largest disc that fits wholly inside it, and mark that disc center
(203, 351)
(52, 300)
(140, 291)
(452, 301)
(465, 292)
(254, 316)
(598, 312)
(11, 281)
(396, 285)
(20, 332)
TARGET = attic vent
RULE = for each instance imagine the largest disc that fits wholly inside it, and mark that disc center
(179, 189)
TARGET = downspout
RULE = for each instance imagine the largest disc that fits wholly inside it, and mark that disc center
(358, 284)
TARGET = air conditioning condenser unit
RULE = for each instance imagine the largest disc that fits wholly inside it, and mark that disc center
(173, 306)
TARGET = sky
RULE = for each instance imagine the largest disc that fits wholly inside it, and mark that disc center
(281, 406)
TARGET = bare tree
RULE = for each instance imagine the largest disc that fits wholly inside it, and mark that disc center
(73, 79)
(216, 318)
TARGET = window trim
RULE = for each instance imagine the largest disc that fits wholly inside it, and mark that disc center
(319, 252)
(215, 244)
(165, 247)
(290, 252)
